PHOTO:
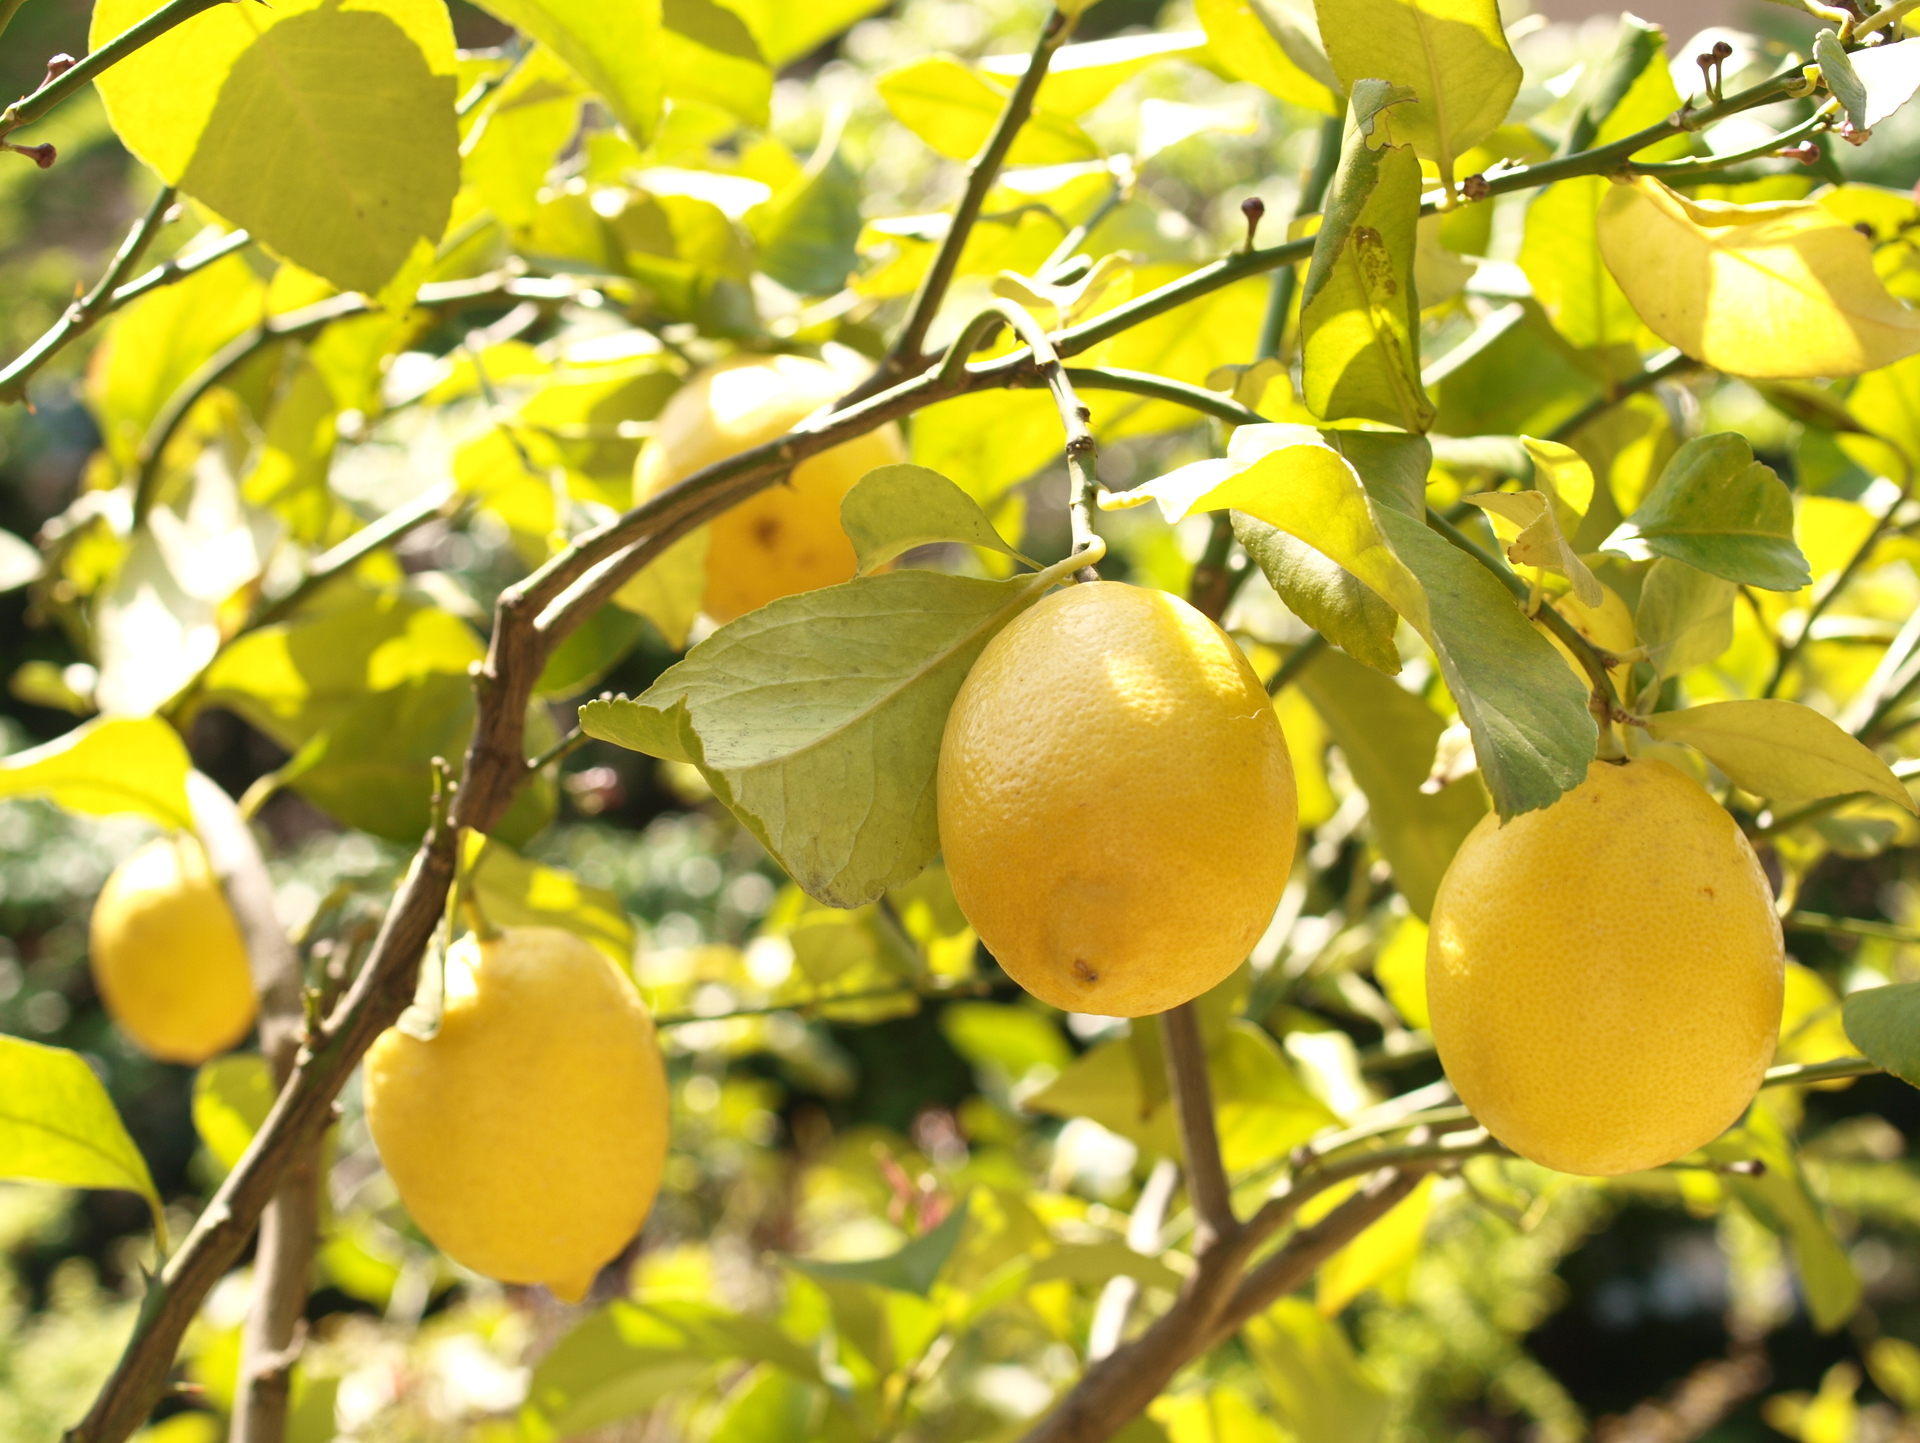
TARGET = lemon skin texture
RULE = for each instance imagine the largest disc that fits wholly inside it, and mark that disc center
(787, 538)
(528, 1137)
(168, 959)
(1605, 974)
(1116, 801)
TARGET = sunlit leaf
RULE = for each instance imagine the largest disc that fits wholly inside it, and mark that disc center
(1318, 1390)
(1685, 617)
(893, 509)
(913, 1269)
(1273, 48)
(615, 51)
(57, 1125)
(515, 892)
(818, 718)
(1780, 750)
(107, 766)
(1779, 289)
(231, 1098)
(1717, 508)
(954, 110)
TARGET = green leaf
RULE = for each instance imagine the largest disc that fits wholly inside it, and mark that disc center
(893, 509)
(615, 50)
(1884, 1023)
(769, 1407)
(669, 590)
(817, 719)
(954, 110)
(1513, 376)
(913, 1269)
(1323, 593)
(628, 1356)
(1081, 76)
(1388, 735)
(1451, 53)
(1015, 1039)
(515, 892)
(232, 1096)
(1685, 617)
(1783, 751)
(785, 31)
(1533, 537)
(1837, 70)
(1270, 47)
(707, 54)
(517, 135)
(1359, 314)
(1781, 1200)
(809, 229)
(988, 441)
(1717, 508)
(57, 1125)
(1562, 260)
(339, 167)
(107, 766)
(1304, 482)
(1095, 1263)
(160, 340)
(1318, 1390)
(593, 649)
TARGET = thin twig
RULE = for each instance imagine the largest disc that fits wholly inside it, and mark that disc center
(1313, 194)
(1786, 653)
(431, 504)
(905, 354)
(80, 317)
(1297, 661)
(30, 108)
(1662, 367)
(1849, 927)
(565, 747)
(1193, 1104)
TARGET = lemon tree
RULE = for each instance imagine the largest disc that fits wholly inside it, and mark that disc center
(957, 721)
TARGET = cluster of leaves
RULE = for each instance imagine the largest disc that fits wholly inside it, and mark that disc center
(406, 346)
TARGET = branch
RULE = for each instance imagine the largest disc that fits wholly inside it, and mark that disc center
(1145, 383)
(1297, 661)
(1848, 927)
(905, 353)
(289, 1228)
(1193, 1103)
(434, 502)
(1800, 1074)
(30, 108)
(83, 313)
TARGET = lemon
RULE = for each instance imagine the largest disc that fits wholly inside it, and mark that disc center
(1116, 801)
(784, 539)
(168, 958)
(528, 1137)
(1605, 974)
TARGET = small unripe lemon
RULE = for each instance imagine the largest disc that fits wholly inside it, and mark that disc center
(527, 1138)
(1116, 801)
(168, 958)
(787, 538)
(1605, 974)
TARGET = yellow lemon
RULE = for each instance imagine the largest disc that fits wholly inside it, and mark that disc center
(1116, 801)
(784, 539)
(168, 958)
(1605, 974)
(528, 1137)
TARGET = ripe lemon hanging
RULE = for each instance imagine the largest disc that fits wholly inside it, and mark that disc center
(1605, 974)
(528, 1137)
(1116, 801)
(168, 958)
(787, 538)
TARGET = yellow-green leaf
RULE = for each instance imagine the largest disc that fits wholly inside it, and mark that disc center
(515, 892)
(1359, 314)
(1270, 47)
(327, 130)
(1783, 751)
(1717, 508)
(785, 31)
(1685, 617)
(232, 1096)
(1323, 593)
(1319, 1392)
(668, 590)
(614, 49)
(1884, 1023)
(893, 509)
(1079, 77)
(1533, 537)
(954, 110)
(107, 766)
(1383, 1250)
(1781, 289)
(57, 1125)
(1452, 53)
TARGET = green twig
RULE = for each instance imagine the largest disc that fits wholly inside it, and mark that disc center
(905, 354)
(1812, 812)
(1662, 367)
(1144, 383)
(30, 108)
(1849, 927)
(1313, 194)
(1786, 653)
(565, 747)
(1296, 662)
(83, 313)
